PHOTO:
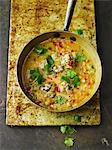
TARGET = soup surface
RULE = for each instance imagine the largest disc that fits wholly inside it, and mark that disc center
(59, 74)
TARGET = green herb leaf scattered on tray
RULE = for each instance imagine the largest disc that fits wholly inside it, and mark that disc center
(79, 31)
(67, 129)
(69, 142)
(63, 129)
(77, 118)
(60, 100)
(40, 50)
(36, 75)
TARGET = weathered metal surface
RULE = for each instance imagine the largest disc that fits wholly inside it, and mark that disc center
(42, 138)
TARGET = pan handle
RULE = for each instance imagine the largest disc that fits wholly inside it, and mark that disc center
(69, 14)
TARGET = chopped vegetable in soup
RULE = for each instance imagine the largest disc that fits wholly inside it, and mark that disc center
(59, 74)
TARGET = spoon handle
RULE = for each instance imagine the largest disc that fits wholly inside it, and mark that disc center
(69, 14)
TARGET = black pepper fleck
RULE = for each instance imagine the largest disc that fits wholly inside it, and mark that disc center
(73, 38)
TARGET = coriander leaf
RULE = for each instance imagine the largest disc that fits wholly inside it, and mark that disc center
(67, 129)
(40, 50)
(76, 81)
(65, 79)
(46, 68)
(36, 75)
(60, 100)
(69, 142)
(50, 60)
(71, 74)
(79, 31)
(80, 57)
(77, 118)
(70, 130)
(40, 79)
(63, 129)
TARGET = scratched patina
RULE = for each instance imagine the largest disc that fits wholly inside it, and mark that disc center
(29, 19)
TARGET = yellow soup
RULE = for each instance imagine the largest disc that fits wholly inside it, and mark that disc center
(59, 74)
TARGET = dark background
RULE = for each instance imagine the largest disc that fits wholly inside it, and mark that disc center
(49, 138)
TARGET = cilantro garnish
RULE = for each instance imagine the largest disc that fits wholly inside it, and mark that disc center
(50, 60)
(40, 50)
(80, 57)
(36, 75)
(76, 81)
(71, 78)
(71, 74)
(60, 100)
(64, 78)
(47, 68)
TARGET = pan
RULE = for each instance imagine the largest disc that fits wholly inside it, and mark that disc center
(60, 34)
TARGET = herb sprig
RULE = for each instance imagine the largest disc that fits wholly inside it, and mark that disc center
(67, 129)
(60, 100)
(49, 64)
(37, 76)
(80, 57)
(71, 78)
(68, 141)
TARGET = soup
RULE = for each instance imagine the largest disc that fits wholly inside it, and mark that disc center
(59, 74)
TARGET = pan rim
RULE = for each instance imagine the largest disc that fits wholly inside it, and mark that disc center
(77, 37)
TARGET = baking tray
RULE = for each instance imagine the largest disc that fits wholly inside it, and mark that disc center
(29, 19)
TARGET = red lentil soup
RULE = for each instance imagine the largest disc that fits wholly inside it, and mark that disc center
(59, 74)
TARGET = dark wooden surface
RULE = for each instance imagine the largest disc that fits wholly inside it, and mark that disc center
(49, 138)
